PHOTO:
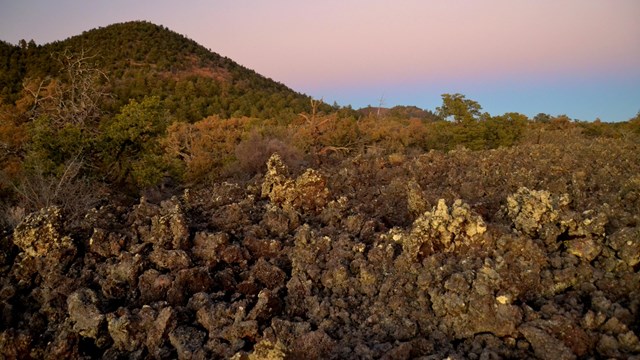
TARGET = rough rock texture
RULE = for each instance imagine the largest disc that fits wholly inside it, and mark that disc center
(39, 235)
(444, 256)
(626, 243)
(307, 193)
(441, 230)
(531, 210)
(264, 350)
(544, 345)
(84, 313)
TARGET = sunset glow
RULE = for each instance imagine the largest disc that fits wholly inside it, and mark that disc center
(578, 57)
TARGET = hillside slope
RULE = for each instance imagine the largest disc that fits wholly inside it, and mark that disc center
(141, 58)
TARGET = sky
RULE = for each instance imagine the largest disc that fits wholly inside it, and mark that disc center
(575, 57)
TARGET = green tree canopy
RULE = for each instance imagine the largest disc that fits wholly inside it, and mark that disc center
(130, 142)
(462, 110)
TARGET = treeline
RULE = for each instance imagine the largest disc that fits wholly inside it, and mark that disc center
(49, 159)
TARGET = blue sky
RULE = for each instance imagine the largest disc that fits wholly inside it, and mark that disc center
(575, 57)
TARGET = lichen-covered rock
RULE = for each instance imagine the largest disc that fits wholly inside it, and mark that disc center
(530, 210)
(587, 224)
(283, 275)
(40, 234)
(416, 202)
(123, 330)
(311, 193)
(626, 243)
(441, 230)
(264, 350)
(276, 182)
(307, 193)
(83, 312)
(335, 211)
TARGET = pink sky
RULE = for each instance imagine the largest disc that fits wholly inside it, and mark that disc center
(356, 51)
(434, 40)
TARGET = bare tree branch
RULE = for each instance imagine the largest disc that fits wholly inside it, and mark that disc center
(76, 97)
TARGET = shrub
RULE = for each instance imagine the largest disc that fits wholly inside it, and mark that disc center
(253, 152)
(130, 145)
(203, 149)
(39, 189)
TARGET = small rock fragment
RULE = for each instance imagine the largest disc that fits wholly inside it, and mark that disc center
(585, 248)
(188, 342)
(545, 346)
(83, 312)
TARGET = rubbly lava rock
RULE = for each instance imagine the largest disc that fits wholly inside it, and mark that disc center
(544, 345)
(350, 260)
(416, 203)
(586, 248)
(188, 342)
(207, 247)
(441, 230)
(164, 226)
(626, 243)
(170, 259)
(84, 313)
(40, 235)
(264, 350)
(530, 210)
(307, 193)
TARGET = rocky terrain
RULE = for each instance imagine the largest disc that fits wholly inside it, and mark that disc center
(524, 252)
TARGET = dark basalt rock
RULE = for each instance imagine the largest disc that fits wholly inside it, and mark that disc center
(479, 255)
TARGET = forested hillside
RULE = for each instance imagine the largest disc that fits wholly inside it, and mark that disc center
(142, 59)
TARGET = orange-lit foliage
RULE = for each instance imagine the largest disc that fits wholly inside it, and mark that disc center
(203, 148)
(253, 152)
(560, 122)
(392, 134)
(322, 133)
(13, 136)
